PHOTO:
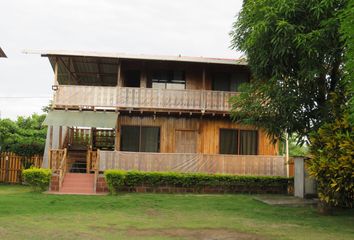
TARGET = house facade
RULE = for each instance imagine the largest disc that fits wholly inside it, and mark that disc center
(151, 113)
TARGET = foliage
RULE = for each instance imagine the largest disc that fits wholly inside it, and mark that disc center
(25, 136)
(295, 148)
(333, 162)
(117, 178)
(37, 178)
(295, 54)
(347, 31)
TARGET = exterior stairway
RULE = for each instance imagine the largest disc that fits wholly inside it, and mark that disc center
(78, 183)
(76, 161)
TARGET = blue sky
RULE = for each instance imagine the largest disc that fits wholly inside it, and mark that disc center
(164, 27)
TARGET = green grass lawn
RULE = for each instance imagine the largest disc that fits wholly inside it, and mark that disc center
(27, 215)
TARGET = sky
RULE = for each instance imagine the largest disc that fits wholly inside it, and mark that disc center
(161, 27)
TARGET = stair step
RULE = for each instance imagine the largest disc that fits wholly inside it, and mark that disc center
(78, 183)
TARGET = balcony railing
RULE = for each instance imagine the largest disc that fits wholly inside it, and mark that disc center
(261, 165)
(149, 98)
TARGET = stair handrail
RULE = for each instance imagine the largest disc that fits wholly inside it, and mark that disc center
(96, 169)
(62, 168)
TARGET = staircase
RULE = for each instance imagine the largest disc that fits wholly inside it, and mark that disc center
(76, 162)
(78, 183)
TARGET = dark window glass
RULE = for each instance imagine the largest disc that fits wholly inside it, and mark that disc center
(150, 139)
(140, 139)
(221, 81)
(237, 79)
(129, 138)
(168, 79)
(228, 141)
(248, 142)
(132, 78)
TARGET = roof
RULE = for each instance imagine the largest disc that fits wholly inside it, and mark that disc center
(179, 58)
(2, 54)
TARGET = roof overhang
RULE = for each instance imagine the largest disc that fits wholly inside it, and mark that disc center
(2, 53)
(81, 119)
(47, 53)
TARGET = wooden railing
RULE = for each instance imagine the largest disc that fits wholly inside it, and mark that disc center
(96, 167)
(193, 162)
(62, 168)
(91, 160)
(150, 98)
(55, 159)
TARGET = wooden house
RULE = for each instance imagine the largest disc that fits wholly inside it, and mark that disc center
(150, 113)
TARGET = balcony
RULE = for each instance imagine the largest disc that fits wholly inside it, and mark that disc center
(97, 97)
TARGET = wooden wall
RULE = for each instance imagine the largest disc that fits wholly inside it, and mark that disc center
(207, 129)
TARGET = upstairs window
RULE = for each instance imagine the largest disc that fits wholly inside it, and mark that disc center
(132, 78)
(140, 139)
(168, 79)
(224, 81)
(242, 142)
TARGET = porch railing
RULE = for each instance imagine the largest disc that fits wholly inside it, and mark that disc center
(55, 159)
(126, 97)
(194, 162)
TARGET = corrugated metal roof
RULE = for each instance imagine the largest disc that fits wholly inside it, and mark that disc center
(2, 54)
(138, 56)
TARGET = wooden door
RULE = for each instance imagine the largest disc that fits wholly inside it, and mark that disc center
(186, 141)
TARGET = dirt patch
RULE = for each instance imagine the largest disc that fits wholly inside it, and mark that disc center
(194, 234)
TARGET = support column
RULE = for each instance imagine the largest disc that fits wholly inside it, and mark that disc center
(119, 78)
(117, 135)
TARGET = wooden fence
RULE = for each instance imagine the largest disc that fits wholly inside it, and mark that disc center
(193, 162)
(11, 166)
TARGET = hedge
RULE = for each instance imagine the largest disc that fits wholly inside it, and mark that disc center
(37, 178)
(117, 179)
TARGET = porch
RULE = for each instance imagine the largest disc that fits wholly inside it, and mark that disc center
(99, 161)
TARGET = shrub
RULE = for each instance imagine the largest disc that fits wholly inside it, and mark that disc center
(117, 179)
(37, 178)
(333, 162)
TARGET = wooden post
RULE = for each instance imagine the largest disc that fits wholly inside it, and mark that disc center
(119, 83)
(50, 146)
(143, 77)
(56, 72)
(203, 90)
(60, 137)
(117, 135)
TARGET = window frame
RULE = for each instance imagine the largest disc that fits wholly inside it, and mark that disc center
(170, 80)
(140, 138)
(238, 147)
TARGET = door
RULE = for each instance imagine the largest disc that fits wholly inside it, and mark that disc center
(186, 141)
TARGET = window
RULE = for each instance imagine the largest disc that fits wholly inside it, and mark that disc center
(234, 141)
(223, 81)
(228, 141)
(140, 139)
(132, 78)
(168, 79)
(248, 142)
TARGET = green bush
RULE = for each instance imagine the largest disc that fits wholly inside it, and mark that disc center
(37, 178)
(118, 179)
(333, 162)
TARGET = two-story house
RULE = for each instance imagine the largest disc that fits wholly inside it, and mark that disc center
(150, 113)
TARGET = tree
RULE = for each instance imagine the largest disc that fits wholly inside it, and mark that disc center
(347, 31)
(295, 53)
(25, 136)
